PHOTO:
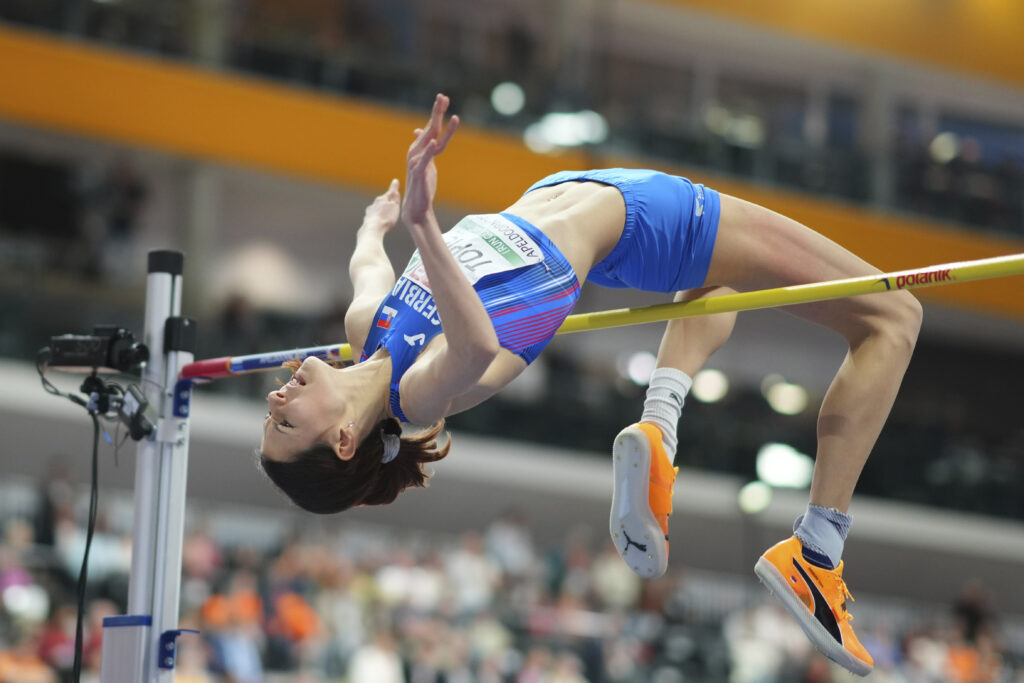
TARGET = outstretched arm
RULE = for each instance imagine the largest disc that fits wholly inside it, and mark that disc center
(369, 268)
(429, 388)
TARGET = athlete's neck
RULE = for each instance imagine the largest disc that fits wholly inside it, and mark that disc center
(367, 387)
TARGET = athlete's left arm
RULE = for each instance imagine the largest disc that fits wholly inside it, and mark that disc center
(370, 269)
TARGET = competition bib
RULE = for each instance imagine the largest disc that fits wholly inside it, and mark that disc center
(482, 245)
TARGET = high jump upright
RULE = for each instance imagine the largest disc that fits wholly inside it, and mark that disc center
(139, 647)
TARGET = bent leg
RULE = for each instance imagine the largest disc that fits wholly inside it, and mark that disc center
(689, 342)
(643, 453)
(757, 248)
(685, 346)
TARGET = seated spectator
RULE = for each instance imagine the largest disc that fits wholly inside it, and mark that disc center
(20, 663)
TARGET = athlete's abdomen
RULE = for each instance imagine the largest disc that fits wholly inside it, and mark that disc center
(583, 219)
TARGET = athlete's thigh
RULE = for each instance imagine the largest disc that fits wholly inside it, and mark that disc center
(757, 248)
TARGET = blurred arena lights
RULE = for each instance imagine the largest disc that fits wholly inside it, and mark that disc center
(944, 147)
(784, 397)
(754, 497)
(710, 385)
(556, 131)
(781, 465)
(636, 367)
(508, 98)
(742, 130)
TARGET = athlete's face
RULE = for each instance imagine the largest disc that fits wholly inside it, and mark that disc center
(306, 411)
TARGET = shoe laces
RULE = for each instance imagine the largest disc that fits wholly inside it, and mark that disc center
(847, 596)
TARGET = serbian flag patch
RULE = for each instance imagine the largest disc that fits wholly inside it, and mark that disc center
(386, 315)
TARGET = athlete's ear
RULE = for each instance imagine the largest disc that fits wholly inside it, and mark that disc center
(345, 446)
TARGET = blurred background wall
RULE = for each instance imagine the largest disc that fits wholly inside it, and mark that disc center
(251, 134)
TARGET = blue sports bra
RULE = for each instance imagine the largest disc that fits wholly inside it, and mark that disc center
(526, 285)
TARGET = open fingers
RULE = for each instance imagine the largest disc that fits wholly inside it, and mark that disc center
(437, 113)
(447, 134)
(429, 152)
(437, 145)
(434, 125)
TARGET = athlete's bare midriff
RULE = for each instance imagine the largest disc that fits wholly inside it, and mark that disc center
(583, 219)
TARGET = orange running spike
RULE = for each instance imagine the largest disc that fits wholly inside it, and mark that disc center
(818, 599)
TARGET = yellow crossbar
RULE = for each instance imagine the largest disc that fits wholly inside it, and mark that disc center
(947, 273)
(944, 274)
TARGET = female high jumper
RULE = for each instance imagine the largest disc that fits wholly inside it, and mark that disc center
(476, 304)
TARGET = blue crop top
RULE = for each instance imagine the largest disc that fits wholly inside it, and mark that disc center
(526, 285)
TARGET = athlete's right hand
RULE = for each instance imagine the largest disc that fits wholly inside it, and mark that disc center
(421, 172)
(383, 212)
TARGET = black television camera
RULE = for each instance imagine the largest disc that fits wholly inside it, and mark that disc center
(109, 347)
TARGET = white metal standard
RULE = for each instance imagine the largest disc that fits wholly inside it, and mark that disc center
(139, 647)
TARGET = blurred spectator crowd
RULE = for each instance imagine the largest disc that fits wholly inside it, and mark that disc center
(385, 605)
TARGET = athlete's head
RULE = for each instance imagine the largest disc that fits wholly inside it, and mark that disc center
(325, 446)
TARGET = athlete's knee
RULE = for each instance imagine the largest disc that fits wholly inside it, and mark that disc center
(897, 321)
(714, 328)
(907, 317)
(719, 328)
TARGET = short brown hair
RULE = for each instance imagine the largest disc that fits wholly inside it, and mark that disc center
(317, 480)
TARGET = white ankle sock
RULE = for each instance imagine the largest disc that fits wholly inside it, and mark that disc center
(664, 404)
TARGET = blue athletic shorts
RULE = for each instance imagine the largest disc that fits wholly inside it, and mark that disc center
(670, 229)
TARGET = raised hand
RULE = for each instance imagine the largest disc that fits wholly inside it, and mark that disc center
(383, 212)
(421, 172)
